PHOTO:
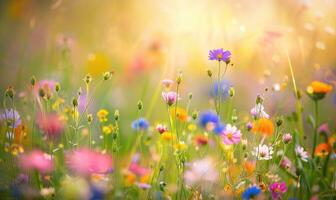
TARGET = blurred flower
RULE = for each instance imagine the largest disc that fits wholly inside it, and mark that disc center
(285, 163)
(249, 126)
(201, 172)
(220, 55)
(167, 83)
(51, 124)
(277, 189)
(222, 90)
(170, 98)
(107, 129)
(263, 152)
(263, 126)
(231, 135)
(47, 192)
(317, 90)
(219, 128)
(85, 161)
(180, 114)
(102, 115)
(36, 160)
(167, 136)
(11, 117)
(140, 124)
(47, 86)
(74, 188)
(249, 167)
(251, 193)
(161, 128)
(209, 120)
(303, 155)
(323, 128)
(287, 138)
(322, 150)
(180, 146)
(136, 168)
(201, 140)
(97, 64)
(258, 111)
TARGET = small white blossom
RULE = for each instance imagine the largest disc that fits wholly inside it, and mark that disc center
(303, 155)
(263, 152)
(259, 111)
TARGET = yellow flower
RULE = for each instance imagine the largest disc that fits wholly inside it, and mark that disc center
(180, 114)
(107, 129)
(167, 136)
(180, 146)
(97, 64)
(192, 127)
(102, 115)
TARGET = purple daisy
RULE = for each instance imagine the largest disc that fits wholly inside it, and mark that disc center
(220, 55)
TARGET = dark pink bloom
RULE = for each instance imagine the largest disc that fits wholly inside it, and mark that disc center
(277, 189)
(51, 125)
(36, 160)
(86, 161)
(137, 169)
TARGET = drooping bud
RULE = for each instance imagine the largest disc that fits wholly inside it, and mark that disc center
(116, 115)
(209, 73)
(140, 105)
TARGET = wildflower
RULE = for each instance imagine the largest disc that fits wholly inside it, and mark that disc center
(102, 115)
(167, 136)
(258, 111)
(263, 152)
(287, 138)
(303, 155)
(86, 161)
(209, 120)
(97, 63)
(317, 90)
(10, 92)
(107, 129)
(231, 135)
(222, 89)
(277, 189)
(201, 140)
(220, 55)
(116, 115)
(249, 167)
(263, 126)
(201, 172)
(140, 124)
(37, 160)
(137, 169)
(47, 87)
(285, 163)
(323, 128)
(180, 146)
(167, 83)
(51, 124)
(322, 150)
(11, 117)
(170, 98)
(251, 192)
(161, 128)
(180, 114)
(249, 126)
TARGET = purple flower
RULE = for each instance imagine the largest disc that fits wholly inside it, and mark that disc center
(170, 97)
(277, 189)
(220, 55)
(11, 117)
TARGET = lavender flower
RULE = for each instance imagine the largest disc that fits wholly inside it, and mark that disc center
(220, 55)
(170, 97)
(11, 117)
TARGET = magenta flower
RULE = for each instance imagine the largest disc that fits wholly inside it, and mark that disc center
(231, 135)
(220, 55)
(170, 97)
(36, 160)
(277, 189)
(86, 161)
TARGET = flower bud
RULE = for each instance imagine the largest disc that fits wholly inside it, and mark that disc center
(87, 79)
(41, 93)
(287, 138)
(89, 118)
(10, 92)
(75, 102)
(190, 96)
(231, 91)
(279, 122)
(179, 79)
(107, 75)
(259, 99)
(57, 87)
(209, 73)
(116, 115)
(140, 105)
(33, 80)
(194, 115)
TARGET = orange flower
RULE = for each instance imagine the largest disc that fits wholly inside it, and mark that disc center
(322, 150)
(249, 167)
(319, 87)
(263, 126)
(181, 114)
(201, 140)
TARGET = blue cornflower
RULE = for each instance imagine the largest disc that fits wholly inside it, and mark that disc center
(220, 55)
(140, 124)
(222, 89)
(219, 128)
(208, 118)
(251, 192)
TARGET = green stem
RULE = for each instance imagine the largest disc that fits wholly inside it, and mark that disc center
(315, 128)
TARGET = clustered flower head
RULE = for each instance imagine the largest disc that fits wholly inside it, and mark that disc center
(277, 189)
(251, 193)
(140, 124)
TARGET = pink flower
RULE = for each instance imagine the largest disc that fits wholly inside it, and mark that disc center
(277, 189)
(51, 124)
(136, 168)
(170, 97)
(287, 138)
(285, 163)
(37, 160)
(167, 83)
(231, 135)
(201, 172)
(161, 128)
(86, 161)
